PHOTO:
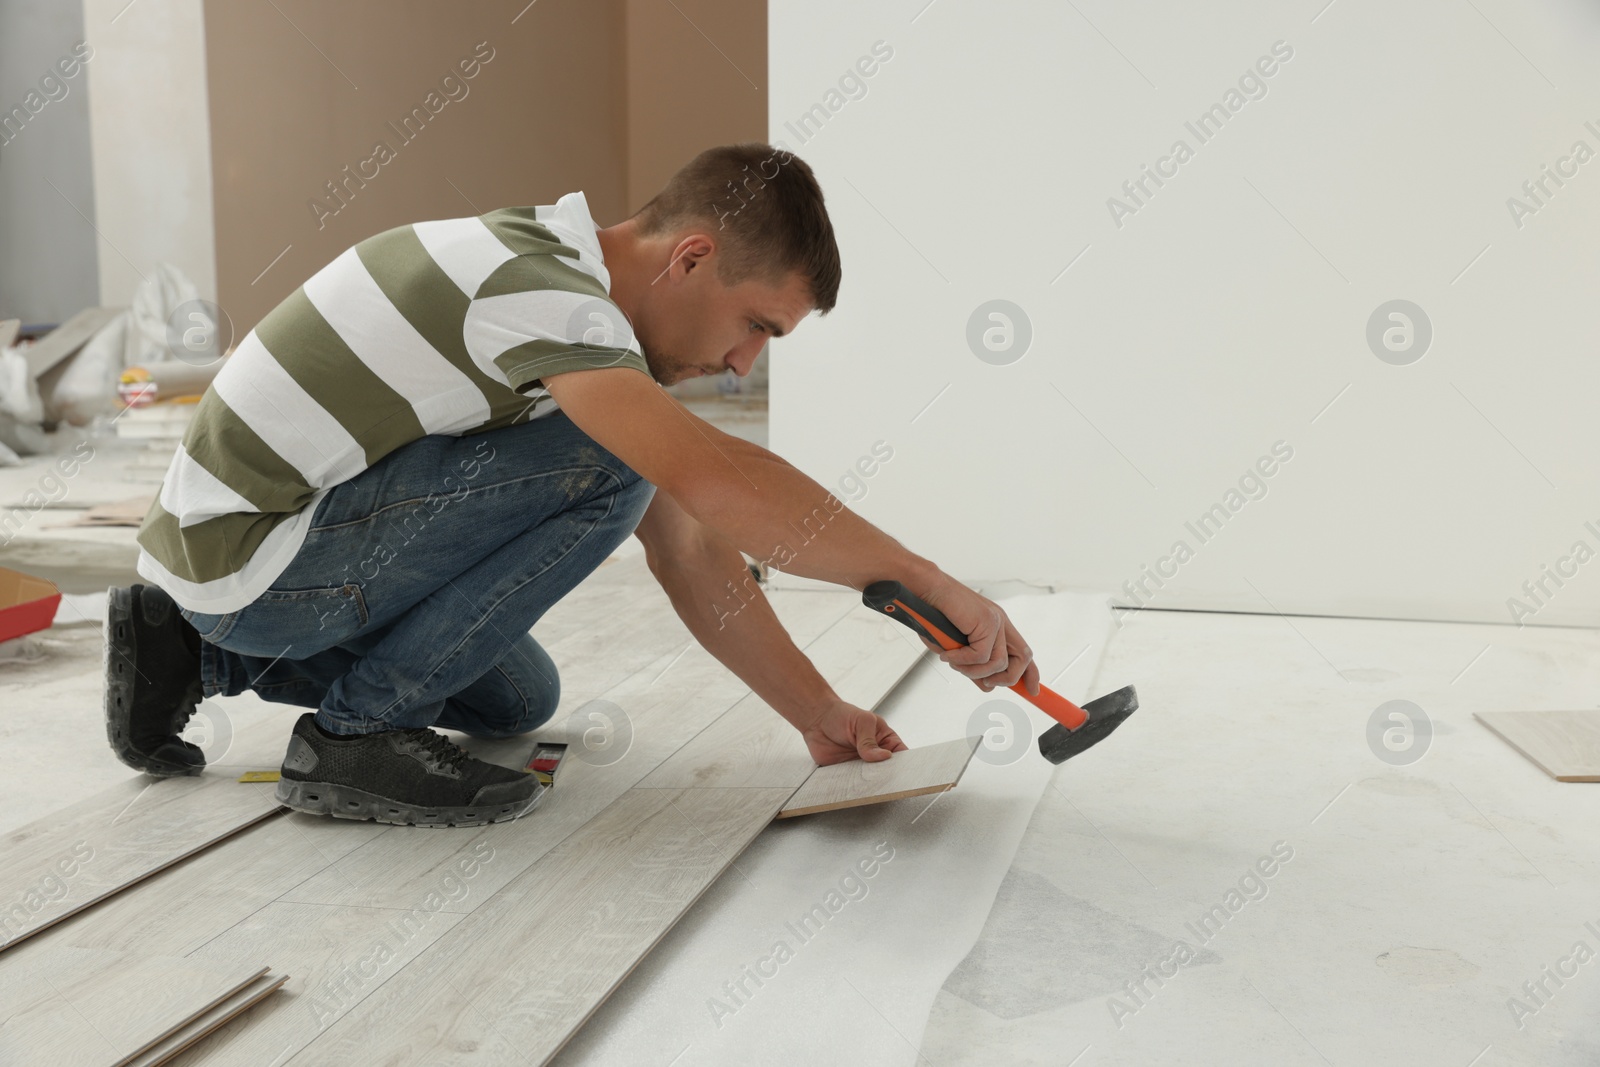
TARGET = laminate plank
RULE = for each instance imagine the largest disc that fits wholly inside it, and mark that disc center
(615, 623)
(88, 1006)
(337, 957)
(1563, 744)
(182, 908)
(141, 996)
(914, 772)
(861, 655)
(61, 864)
(665, 705)
(163, 1051)
(513, 980)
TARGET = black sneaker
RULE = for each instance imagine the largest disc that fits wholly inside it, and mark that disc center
(152, 669)
(405, 777)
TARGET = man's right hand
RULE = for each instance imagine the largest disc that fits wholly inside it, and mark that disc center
(995, 656)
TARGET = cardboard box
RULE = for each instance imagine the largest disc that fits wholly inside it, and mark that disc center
(27, 604)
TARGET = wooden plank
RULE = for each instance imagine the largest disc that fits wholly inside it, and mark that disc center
(66, 339)
(187, 906)
(1563, 744)
(863, 656)
(254, 993)
(65, 862)
(912, 773)
(338, 957)
(513, 980)
(88, 1006)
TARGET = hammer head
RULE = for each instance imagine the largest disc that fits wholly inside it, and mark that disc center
(1059, 744)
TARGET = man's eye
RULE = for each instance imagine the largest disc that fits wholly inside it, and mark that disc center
(754, 325)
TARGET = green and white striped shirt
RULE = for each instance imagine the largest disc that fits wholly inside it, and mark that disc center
(439, 327)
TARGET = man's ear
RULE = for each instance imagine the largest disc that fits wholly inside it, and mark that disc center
(693, 251)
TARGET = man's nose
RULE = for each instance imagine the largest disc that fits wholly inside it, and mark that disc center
(741, 360)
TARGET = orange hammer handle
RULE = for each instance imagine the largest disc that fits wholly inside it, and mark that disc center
(899, 603)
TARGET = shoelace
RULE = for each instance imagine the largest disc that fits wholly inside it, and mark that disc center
(445, 752)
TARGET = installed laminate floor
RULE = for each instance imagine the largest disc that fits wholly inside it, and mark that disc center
(608, 856)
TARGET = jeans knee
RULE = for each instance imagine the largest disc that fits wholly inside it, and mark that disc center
(533, 676)
(539, 709)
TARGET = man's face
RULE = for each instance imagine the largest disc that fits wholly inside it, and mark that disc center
(692, 324)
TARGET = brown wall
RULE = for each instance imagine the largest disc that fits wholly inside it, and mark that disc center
(607, 96)
(697, 77)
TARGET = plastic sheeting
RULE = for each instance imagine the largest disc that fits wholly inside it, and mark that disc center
(88, 386)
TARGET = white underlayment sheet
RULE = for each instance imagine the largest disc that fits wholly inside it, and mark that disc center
(857, 985)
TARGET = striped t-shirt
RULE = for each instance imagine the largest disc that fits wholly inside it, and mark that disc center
(434, 328)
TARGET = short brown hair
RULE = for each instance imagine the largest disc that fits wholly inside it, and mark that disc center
(764, 206)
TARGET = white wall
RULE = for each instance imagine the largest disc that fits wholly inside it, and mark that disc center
(150, 127)
(1227, 312)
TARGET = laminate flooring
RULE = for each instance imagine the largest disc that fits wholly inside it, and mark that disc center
(1563, 744)
(499, 941)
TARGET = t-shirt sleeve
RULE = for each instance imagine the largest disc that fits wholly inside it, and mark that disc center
(537, 316)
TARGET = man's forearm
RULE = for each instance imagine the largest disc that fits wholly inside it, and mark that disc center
(752, 643)
(753, 498)
(772, 510)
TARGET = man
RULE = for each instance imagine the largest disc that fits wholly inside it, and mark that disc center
(439, 435)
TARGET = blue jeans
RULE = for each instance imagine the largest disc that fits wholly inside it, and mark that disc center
(410, 602)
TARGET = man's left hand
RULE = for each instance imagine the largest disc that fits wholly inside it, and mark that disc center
(846, 732)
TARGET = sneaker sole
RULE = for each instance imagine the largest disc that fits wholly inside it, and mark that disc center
(118, 672)
(348, 802)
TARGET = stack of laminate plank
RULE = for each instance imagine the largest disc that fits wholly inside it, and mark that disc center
(90, 1007)
(482, 944)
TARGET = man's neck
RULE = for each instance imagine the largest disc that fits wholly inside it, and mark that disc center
(620, 247)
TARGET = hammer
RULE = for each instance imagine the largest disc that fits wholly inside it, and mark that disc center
(1077, 729)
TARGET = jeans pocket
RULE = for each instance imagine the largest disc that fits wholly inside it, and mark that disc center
(295, 622)
(213, 629)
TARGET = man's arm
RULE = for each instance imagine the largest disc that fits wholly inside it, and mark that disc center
(693, 564)
(765, 506)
